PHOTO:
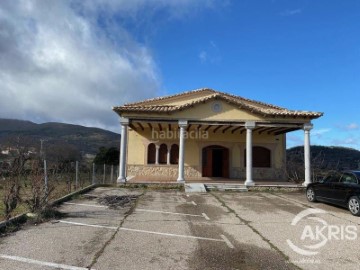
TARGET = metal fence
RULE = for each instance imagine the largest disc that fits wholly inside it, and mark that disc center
(104, 174)
(42, 181)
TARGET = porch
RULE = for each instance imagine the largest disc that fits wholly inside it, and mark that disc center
(206, 133)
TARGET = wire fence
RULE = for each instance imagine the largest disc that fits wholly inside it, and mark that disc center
(31, 185)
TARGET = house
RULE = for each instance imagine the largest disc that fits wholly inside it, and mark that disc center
(207, 133)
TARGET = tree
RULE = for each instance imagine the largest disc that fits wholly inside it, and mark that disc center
(12, 184)
(109, 156)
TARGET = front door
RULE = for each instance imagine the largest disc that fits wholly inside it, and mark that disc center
(215, 161)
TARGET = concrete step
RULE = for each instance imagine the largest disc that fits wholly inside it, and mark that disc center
(234, 187)
(195, 187)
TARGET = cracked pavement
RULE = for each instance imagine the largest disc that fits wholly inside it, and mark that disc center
(174, 230)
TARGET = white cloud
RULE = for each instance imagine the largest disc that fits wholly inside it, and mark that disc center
(72, 60)
(352, 126)
(291, 12)
(318, 133)
(203, 56)
(211, 54)
(349, 141)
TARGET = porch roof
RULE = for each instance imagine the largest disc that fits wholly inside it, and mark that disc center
(215, 127)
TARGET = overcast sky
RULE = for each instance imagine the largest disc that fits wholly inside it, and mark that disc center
(71, 61)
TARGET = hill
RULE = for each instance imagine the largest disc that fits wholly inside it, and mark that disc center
(55, 137)
(327, 157)
(323, 160)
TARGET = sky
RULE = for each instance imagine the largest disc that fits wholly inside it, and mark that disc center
(71, 61)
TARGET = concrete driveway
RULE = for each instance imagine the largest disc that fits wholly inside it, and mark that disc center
(174, 230)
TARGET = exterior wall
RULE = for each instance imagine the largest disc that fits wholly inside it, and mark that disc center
(139, 140)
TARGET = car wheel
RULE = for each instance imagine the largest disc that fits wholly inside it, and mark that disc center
(310, 194)
(354, 205)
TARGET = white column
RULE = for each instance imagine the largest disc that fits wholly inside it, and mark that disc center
(182, 125)
(307, 128)
(157, 147)
(123, 146)
(168, 155)
(250, 125)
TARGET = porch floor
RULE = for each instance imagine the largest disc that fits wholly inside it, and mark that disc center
(209, 180)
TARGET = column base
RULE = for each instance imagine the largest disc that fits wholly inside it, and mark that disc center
(121, 180)
(249, 183)
(180, 180)
(305, 184)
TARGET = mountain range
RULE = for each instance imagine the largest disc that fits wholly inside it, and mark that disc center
(85, 140)
(326, 157)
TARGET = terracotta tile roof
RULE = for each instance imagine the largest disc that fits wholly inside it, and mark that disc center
(158, 105)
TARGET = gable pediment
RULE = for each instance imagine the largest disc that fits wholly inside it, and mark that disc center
(215, 110)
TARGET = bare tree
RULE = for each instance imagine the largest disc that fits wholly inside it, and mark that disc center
(37, 199)
(12, 184)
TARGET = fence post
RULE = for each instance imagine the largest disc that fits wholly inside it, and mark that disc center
(112, 174)
(76, 174)
(93, 174)
(46, 181)
(104, 176)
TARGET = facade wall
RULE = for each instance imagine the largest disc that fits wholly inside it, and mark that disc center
(161, 170)
(139, 140)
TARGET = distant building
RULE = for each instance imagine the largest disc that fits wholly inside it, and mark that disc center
(5, 152)
(205, 134)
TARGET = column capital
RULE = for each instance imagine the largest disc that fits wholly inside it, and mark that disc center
(157, 146)
(183, 123)
(250, 124)
(308, 126)
(124, 121)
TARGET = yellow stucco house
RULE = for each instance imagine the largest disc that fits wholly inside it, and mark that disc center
(207, 133)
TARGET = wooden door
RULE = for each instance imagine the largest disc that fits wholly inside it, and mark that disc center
(207, 162)
(225, 168)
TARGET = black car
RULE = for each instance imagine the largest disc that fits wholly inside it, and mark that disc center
(340, 188)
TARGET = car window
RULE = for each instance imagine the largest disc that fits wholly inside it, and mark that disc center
(332, 178)
(348, 178)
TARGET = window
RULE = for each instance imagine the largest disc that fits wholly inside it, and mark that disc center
(163, 154)
(151, 154)
(174, 154)
(332, 178)
(348, 178)
(261, 157)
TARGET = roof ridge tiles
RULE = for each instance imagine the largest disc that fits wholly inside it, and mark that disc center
(240, 102)
(170, 96)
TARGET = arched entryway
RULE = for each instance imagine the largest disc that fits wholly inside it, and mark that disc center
(215, 161)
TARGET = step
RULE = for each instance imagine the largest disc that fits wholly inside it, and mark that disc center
(195, 187)
(233, 187)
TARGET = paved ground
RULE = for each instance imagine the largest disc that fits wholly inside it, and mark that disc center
(173, 230)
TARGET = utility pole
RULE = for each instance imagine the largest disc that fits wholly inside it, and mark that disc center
(42, 156)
